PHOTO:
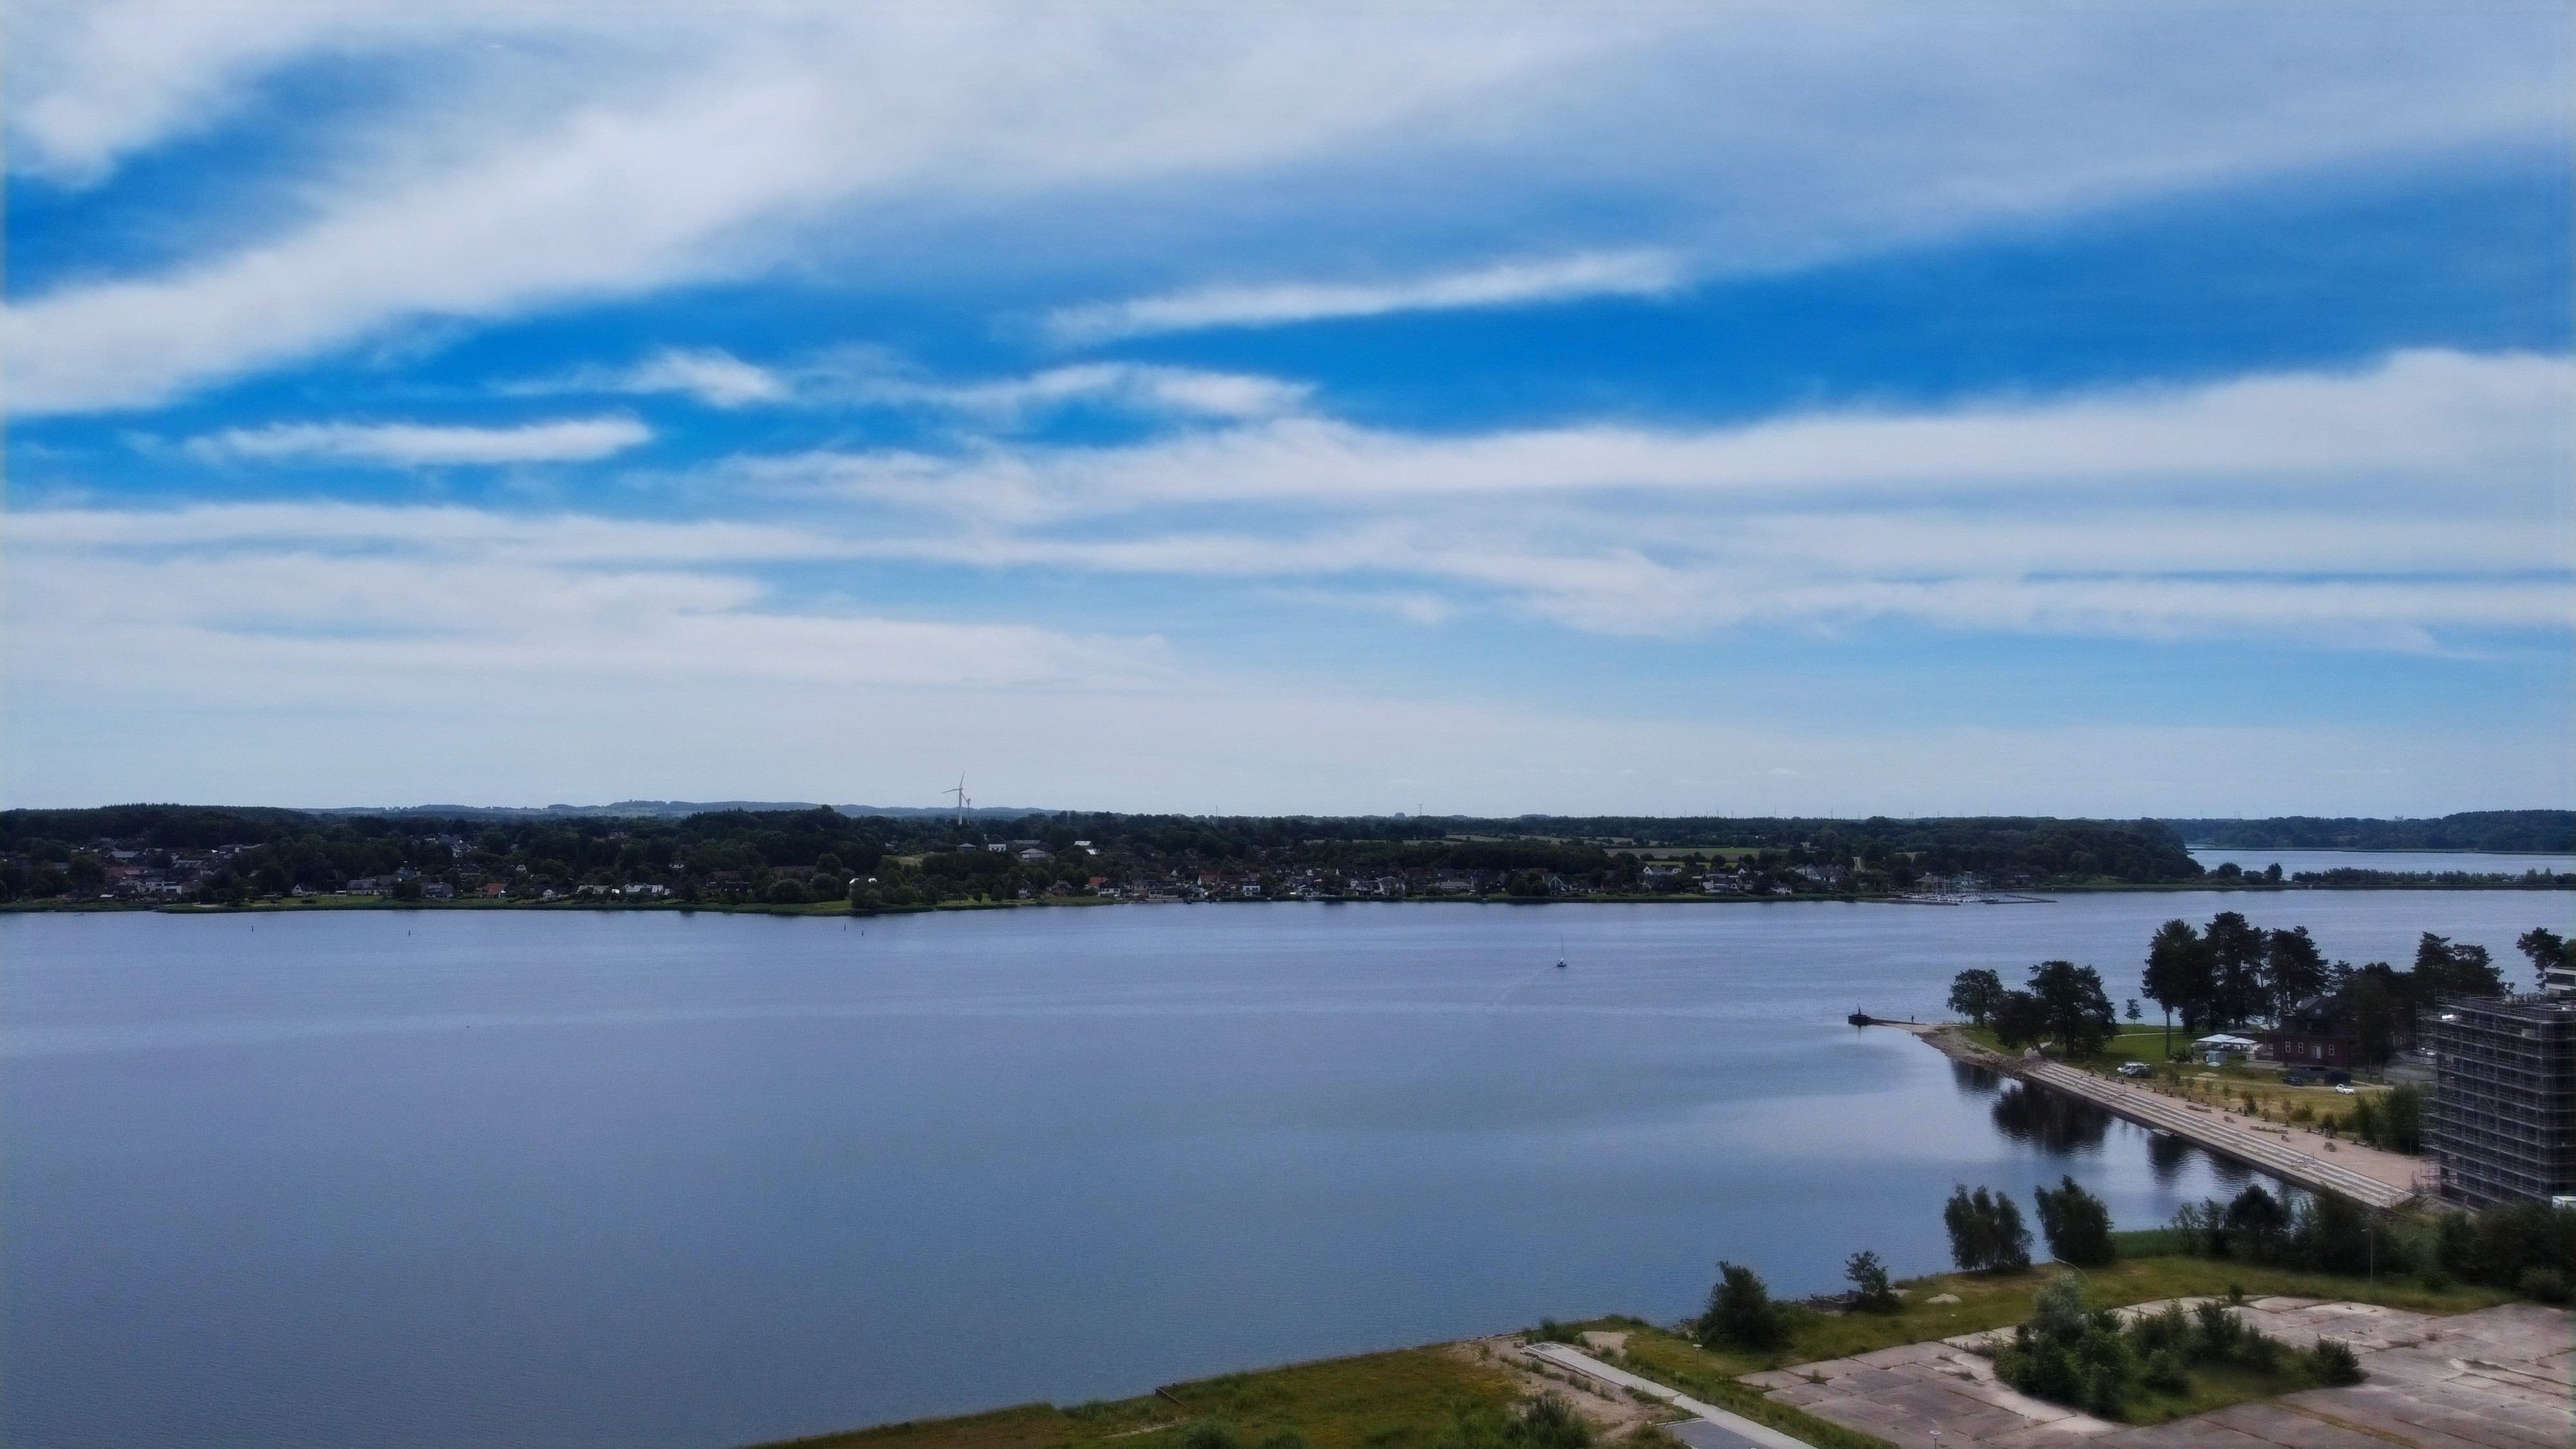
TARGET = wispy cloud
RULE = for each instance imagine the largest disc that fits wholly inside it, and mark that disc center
(1643, 273)
(711, 375)
(416, 445)
(2381, 508)
(672, 147)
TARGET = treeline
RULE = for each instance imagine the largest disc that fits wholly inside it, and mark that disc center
(233, 854)
(2540, 831)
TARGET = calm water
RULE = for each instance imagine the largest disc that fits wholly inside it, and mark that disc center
(2436, 861)
(447, 1178)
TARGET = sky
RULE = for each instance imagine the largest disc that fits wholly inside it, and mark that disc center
(2146, 409)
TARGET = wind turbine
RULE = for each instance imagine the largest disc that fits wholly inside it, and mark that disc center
(963, 802)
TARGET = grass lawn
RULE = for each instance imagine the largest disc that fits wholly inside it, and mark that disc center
(1399, 1400)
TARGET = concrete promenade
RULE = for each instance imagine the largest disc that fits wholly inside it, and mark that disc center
(2203, 1126)
(2196, 1123)
(1733, 1431)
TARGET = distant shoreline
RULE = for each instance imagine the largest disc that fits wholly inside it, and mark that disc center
(841, 909)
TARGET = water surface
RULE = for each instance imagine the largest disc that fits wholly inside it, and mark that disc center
(452, 1178)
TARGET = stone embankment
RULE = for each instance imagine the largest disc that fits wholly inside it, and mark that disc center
(2365, 1175)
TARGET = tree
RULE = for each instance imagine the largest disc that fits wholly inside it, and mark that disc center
(2443, 969)
(1871, 1290)
(2178, 976)
(2257, 1220)
(2380, 1012)
(2020, 1019)
(2076, 1223)
(2546, 951)
(2071, 1001)
(1740, 1312)
(1986, 1231)
(1975, 994)
(2236, 960)
(2293, 967)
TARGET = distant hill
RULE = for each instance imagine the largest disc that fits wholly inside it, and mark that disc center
(2495, 830)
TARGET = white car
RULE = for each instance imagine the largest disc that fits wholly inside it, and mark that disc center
(2345, 1088)
(2136, 1069)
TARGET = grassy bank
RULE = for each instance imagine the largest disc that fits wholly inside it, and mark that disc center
(1400, 1400)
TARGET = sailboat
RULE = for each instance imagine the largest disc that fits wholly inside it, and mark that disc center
(1560, 955)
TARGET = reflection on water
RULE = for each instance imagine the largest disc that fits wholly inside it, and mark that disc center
(2050, 1121)
(1974, 1079)
(2167, 1156)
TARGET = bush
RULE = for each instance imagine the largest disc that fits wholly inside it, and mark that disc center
(2546, 1284)
(1551, 1331)
(2215, 1332)
(1208, 1434)
(2334, 1363)
(2077, 1225)
(1740, 1312)
(2067, 1355)
(1871, 1290)
(2164, 1373)
(787, 891)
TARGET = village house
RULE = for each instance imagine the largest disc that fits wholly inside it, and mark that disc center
(2317, 1032)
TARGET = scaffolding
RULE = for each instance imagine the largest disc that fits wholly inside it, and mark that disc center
(2503, 1117)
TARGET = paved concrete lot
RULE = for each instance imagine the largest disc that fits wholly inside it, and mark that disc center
(2496, 1379)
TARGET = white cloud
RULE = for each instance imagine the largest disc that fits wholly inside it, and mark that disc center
(1504, 284)
(1137, 387)
(564, 440)
(2385, 507)
(570, 153)
(711, 375)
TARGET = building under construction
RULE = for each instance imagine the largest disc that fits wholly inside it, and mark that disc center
(2503, 1117)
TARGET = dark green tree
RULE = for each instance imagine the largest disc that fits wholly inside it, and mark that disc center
(1740, 1312)
(1872, 1292)
(2179, 976)
(2444, 969)
(1986, 1231)
(2236, 949)
(2076, 1224)
(2077, 1011)
(2546, 950)
(2293, 968)
(1974, 995)
(2020, 1019)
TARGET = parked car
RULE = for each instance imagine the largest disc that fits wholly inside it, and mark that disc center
(2294, 1079)
(2136, 1069)
(2346, 1088)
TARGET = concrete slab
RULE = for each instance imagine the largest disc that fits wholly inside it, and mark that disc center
(2495, 1379)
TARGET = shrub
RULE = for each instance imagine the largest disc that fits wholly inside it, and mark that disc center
(1208, 1434)
(1740, 1312)
(1548, 1422)
(2077, 1225)
(1871, 1290)
(2334, 1363)
(2164, 1332)
(2164, 1373)
(2215, 1331)
(2546, 1284)
(1551, 1331)
(2067, 1355)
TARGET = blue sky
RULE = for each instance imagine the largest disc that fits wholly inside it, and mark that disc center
(2079, 409)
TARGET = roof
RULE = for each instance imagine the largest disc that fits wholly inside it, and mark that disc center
(2222, 1039)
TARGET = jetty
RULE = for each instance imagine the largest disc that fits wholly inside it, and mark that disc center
(2212, 1128)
